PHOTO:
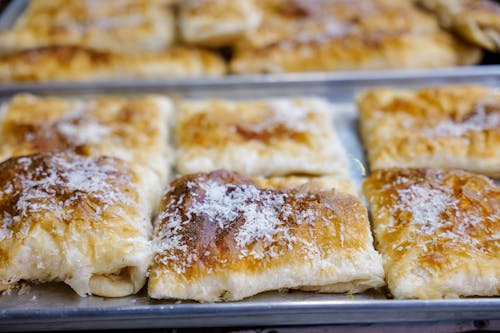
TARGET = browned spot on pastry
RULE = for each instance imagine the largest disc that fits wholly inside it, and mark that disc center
(206, 221)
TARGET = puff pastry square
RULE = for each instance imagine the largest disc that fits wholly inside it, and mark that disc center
(478, 21)
(221, 237)
(133, 129)
(125, 26)
(68, 63)
(264, 137)
(437, 230)
(297, 36)
(217, 22)
(84, 221)
(306, 21)
(444, 127)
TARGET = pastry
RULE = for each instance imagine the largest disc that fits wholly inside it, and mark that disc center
(68, 63)
(221, 237)
(124, 26)
(217, 22)
(325, 35)
(133, 129)
(437, 230)
(83, 221)
(444, 127)
(272, 137)
(370, 51)
(478, 21)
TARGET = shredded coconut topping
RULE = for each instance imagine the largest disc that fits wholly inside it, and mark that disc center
(479, 121)
(425, 205)
(437, 214)
(55, 185)
(85, 133)
(255, 214)
(77, 126)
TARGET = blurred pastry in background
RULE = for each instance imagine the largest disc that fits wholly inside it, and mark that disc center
(66, 63)
(125, 26)
(133, 129)
(297, 36)
(217, 22)
(478, 21)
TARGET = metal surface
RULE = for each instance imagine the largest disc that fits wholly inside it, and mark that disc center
(64, 310)
(10, 14)
(56, 306)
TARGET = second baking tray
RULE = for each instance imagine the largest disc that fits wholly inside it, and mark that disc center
(57, 307)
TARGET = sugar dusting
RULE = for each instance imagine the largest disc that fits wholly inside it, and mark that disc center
(425, 205)
(79, 128)
(53, 185)
(436, 214)
(260, 215)
(285, 112)
(480, 120)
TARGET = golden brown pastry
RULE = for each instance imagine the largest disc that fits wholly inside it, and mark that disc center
(298, 36)
(78, 64)
(444, 127)
(221, 237)
(305, 21)
(125, 26)
(83, 221)
(371, 51)
(133, 129)
(478, 21)
(265, 137)
(217, 22)
(339, 183)
(438, 232)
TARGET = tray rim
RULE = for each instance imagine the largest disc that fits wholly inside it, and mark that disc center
(367, 77)
(265, 313)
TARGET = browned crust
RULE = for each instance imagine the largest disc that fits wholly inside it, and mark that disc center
(71, 63)
(441, 251)
(204, 235)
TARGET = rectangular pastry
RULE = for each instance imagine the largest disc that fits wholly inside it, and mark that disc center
(263, 137)
(124, 26)
(306, 21)
(478, 21)
(69, 63)
(438, 232)
(297, 36)
(370, 51)
(219, 236)
(217, 22)
(84, 221)
(444, 127)
(133, 129)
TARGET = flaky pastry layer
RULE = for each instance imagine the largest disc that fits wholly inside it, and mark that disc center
(263, 137)
(438, 232)
(444, 127)
(219, 236)
(133, 129)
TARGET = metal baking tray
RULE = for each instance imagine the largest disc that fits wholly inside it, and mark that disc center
(56, 307)
(488, 68)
